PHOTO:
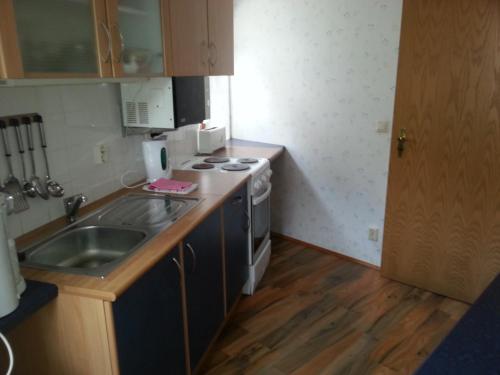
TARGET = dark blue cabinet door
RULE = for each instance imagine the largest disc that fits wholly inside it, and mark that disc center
(149, 324)
(236, 227)
(204, 285)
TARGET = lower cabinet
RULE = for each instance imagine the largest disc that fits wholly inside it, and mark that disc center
(172, 311)
(149, 322)
(236, 227)
(204, 285)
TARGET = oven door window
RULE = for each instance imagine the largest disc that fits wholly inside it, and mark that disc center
(260, 223)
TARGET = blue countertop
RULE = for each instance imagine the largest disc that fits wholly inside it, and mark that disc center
(473, 346)
(36, 296)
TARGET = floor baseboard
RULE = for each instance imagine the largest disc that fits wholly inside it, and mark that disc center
(324, 251)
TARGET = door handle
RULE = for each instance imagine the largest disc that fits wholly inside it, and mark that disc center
(212, 47)
(401, 141)
(178, 265)
(193, 254)
(204, 53)
(107, 56)
(116, 27)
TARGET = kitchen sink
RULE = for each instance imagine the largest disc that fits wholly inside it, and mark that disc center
(99, 242)
(91, 248)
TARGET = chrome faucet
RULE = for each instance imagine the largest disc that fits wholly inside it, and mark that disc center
(72, 205)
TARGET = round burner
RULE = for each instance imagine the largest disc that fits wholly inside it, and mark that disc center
(235, 167)
(247, 160)
(202, 166)
(216, 160)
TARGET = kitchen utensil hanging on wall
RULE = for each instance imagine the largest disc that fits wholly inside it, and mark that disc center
(28, 187)
(54, 188)
(12, 186)
(40, 187)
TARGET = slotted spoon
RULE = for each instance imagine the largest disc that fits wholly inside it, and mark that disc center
(12, 184)
(40, 187)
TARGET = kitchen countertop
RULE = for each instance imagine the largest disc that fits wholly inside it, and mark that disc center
(244, 149)
(213, 190)
(36, 296)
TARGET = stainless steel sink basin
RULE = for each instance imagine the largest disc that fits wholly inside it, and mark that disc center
(99, 242)
(93, 249)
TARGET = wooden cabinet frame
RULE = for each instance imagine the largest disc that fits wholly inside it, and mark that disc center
(107, 44)
(10, 57)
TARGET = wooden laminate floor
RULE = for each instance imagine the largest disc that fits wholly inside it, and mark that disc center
(316, 313)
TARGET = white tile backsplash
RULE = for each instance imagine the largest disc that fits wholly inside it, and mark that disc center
(77, 118)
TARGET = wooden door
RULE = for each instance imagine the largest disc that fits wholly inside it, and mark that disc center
(148, 320)
(221, 37)
(204, 285)
(236, 227)
(442, 229)
(187, 23)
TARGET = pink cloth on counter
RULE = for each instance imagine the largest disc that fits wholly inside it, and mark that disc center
(166, 184)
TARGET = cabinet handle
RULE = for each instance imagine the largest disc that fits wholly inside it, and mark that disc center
(193, 254)
(213, 47)
(246, 226)
(204, 53)
(107, 56)
(122, 43)
(177, 264)
(237, 201)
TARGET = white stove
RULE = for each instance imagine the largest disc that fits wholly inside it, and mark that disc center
(259, 169)
(259, 188)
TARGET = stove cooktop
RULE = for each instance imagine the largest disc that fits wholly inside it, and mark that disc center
(225, 164)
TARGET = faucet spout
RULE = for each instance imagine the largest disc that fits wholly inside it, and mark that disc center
(72, 205)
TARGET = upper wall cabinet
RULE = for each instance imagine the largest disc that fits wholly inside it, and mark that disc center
(84, 38)
(200, 37)
(53, 38)
(115, 38)
(137, 37)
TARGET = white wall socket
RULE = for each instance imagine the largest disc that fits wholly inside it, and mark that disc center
(373, 234)
(383, 126)
(101, 154)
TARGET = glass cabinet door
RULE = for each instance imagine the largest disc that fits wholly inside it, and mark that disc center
(56, 36)
(138, 41)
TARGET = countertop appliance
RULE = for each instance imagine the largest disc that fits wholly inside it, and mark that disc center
(9, 296)
(211, 139)
(164, 103)
(156, 160)
(259, 188)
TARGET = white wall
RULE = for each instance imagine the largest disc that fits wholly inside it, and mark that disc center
(316, 76)
(77, 117)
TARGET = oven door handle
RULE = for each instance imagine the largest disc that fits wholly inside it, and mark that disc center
(263, 197)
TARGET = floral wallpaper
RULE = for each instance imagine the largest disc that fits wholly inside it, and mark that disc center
(317, 76)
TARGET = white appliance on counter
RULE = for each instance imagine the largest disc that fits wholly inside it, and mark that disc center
(211, 139)
(155, 153)
(259, 188)
(11, 282)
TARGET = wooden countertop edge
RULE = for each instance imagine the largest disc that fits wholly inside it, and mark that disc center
(242, 148)
(115, 283)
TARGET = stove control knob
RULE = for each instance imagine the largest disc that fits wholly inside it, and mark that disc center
(257, 185)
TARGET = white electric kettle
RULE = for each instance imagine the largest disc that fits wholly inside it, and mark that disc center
(11, 282)
(155, 152)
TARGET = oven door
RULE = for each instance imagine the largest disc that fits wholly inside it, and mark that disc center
(261, 221)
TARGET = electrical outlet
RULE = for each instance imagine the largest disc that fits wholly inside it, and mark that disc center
(373, 234)
(101, 154)
(383, 127)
